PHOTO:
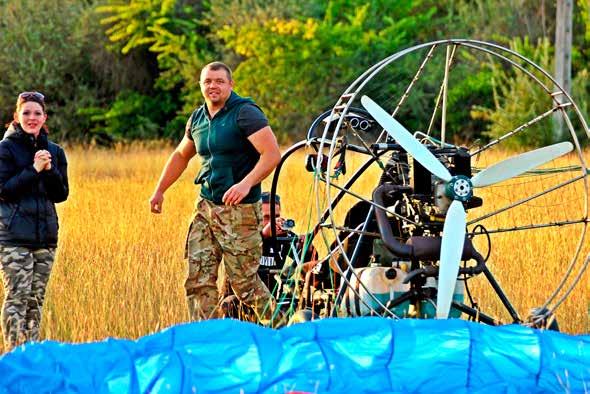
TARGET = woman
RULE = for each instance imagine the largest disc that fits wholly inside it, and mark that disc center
(33, 176)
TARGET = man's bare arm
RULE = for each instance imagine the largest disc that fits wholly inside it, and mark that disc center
(266, 144)
(175, 166)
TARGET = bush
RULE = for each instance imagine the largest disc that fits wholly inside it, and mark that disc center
(59, 48)
(134, 116)
(519, 99)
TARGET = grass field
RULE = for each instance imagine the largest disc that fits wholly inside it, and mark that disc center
(120, 271)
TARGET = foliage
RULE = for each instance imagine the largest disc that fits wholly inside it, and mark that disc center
(170, 29)
(473, 91)
(133, 116)
(516, 24)
(584, 18)
(580, 36)
(581, 92)
(59, 49)
(502, 20)
(38, 51)
(294, 57)
(519, 98)
(297, 64)
(581, 58)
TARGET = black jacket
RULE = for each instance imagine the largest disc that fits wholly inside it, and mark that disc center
(27, 211)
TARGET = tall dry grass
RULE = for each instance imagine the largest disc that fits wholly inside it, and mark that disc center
(119, 269)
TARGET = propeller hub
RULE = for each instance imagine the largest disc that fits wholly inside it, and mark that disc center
(459, 188)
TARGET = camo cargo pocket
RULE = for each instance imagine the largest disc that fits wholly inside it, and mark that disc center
(249, 218)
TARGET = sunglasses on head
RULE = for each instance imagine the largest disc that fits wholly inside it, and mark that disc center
(30, 95)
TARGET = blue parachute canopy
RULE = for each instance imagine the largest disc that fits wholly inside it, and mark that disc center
(362, 355)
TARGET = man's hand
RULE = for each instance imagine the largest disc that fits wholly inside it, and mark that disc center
(156, 201)
(235, 194)
(267, 231)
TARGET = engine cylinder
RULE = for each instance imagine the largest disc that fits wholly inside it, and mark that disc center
(377, 281)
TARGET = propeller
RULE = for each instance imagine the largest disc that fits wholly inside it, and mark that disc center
(460, 189)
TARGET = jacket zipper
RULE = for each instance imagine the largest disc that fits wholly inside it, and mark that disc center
(37, 199)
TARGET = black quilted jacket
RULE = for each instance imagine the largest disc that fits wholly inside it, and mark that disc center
(27, 198)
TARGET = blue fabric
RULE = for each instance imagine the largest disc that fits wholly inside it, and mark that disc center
(361, 355)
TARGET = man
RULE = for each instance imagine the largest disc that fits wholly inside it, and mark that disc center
(238, 150)
(286, 244)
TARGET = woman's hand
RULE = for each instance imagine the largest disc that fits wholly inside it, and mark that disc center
(42, 160)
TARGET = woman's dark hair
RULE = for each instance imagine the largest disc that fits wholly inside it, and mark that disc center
(25, 97)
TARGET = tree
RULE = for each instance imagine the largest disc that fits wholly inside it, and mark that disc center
(171, 29)
(502, 20)
(296, 60)
(61, 52)
(518, 98)
(563, 56)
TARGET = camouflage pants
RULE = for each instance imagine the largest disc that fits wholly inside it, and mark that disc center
(231, 233)
(25, 273)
